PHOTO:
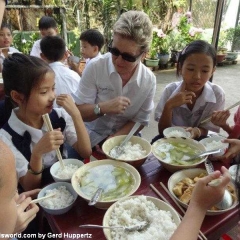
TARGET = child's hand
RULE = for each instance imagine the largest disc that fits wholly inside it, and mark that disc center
(26, 212)
(206, 196)
(66, 101)
(49, 142)
(233, 149)
(219, 118)
(183, 97)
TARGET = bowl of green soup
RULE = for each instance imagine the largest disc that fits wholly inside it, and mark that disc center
(174, 152)
(117, 179)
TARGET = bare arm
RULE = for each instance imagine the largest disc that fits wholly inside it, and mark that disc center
(219, 118)
(83, 145)
(204, 196)
(126, 129)
(49, 142)
(114, 106)
(183, 97)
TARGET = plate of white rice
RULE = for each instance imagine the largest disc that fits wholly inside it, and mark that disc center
(214, 143)
(176, 132)
(162, 218)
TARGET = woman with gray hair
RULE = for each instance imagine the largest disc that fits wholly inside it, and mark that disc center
(117, 90)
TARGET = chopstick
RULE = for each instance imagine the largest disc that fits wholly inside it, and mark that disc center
(4, 48)
(48, 123)
(229, 108)
(180, 207)
(42, 198)
(165, 200)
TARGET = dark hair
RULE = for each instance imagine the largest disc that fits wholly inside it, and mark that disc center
(53, 48)
(6, 25)
(198, 46)
(22, 73)
(93, 37)
(46, 22)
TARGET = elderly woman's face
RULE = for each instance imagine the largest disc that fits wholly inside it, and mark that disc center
(126, 54)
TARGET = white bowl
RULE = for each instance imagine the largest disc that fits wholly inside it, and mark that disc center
(169, 132)
(59, 211)
(173, 167)
(110, 143)
(56, 166)
(104, 204)
(191, 173)
(207, 141)
(158, 203)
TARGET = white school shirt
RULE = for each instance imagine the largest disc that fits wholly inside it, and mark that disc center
(88, 60)
(19, 127)
(100, 82)
(66, 80)
(36, 49)
(211, 99)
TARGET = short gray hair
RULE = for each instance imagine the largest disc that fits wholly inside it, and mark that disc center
(137, 26)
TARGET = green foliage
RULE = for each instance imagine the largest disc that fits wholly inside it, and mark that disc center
(73, 40)
(24, 41)
(184, 34)
(160, 43)
(233, 36)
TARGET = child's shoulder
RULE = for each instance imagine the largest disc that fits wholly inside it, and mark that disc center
(215, 87)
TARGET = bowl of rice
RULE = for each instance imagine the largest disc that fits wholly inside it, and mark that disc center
(176, 132)
(181, 185)
(162, 218)
(135, 151)
(61, 202)
(173, 153)
(71, 165)
(214, 143)
(117, 179)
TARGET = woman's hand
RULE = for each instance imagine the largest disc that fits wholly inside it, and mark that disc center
(205, 196)
(26, 211)
(117, 105)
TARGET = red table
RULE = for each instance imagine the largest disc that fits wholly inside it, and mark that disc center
(151, 172)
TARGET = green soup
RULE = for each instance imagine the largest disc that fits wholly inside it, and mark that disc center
(116, 182)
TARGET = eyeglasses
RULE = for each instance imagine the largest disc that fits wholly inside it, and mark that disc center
(125, 56)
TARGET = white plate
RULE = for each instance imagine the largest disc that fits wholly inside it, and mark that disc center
(208, 140)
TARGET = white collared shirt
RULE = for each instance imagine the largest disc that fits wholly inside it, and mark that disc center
(11, 49)
(36, 50)
(100, 82)
(211, 99)
(19, 127)
(66, 80)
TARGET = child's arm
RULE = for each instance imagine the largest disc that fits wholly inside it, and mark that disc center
(83, 145)
(203, 197)
(49, 142)
(219, 118)
(183, 97)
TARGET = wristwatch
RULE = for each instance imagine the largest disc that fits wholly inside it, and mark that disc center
(97, 110)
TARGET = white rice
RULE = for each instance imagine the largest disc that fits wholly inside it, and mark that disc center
(130, 152)
(61, 199)
(176, 133)
(67, 172)
(134, 211)
(213, 145)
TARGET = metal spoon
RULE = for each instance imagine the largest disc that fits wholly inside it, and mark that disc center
(227, 200)
(203, 154)
(138, 227)
(118, 150)
(96, 196)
